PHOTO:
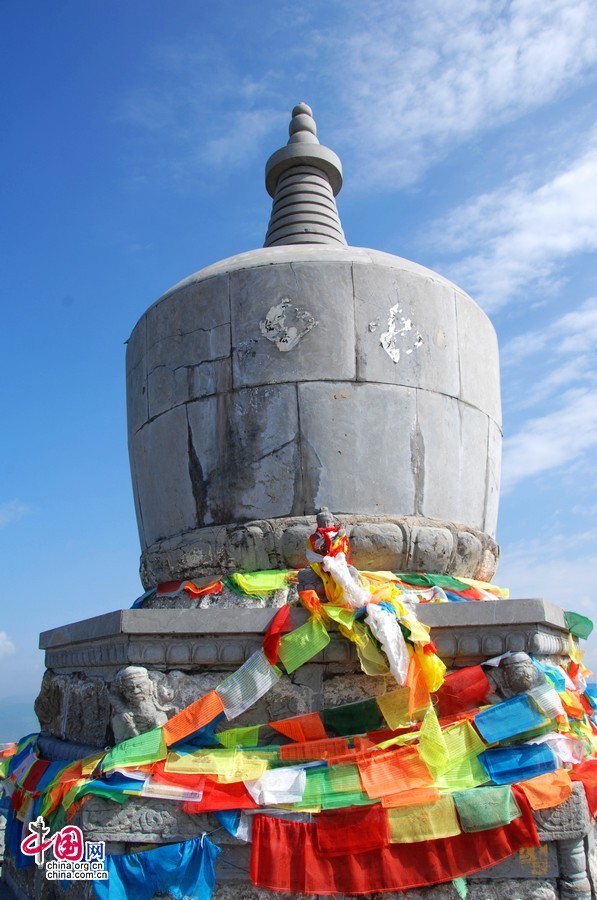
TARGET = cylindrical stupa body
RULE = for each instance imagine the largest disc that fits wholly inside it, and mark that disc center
(299, 376)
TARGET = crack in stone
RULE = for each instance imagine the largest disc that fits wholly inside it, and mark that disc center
(198, 483)
(169, 337)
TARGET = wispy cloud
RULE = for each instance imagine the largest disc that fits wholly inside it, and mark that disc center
(421, 77)
(561, 355)
(520, 235)
(573, 333)
(11, 511)
(200, 109)
(7, 648)
(398, 84)
(556, 439)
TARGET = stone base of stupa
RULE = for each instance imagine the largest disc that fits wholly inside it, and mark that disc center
(392, 543)
(191, 650)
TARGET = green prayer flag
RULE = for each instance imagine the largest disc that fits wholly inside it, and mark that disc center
(239, 737)
(442, 581)
(432, 745)
(340, 616)
(354, 718)
(257, 583)
(372, 660)
(579, 626)
(303, 644)
(466, 773)
(137, 751)
(331, 789)
(485, 807)
(461, 887)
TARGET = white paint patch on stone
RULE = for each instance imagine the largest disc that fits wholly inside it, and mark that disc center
(285, 324)
(398, 327)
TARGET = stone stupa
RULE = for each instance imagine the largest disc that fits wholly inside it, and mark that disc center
(311, 373)
(302, 375)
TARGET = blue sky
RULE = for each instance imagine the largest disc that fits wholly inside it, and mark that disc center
(135, 137)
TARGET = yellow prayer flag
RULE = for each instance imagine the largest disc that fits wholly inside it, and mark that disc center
(410, 824)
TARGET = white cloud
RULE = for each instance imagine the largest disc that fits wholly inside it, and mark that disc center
(574, 332)
(11, 510)
(524, 233)
(565, 350)
(6, 645)
(398, 83)
(556, 439)
(421, 77)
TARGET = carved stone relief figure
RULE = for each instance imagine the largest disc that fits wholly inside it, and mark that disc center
(136, 704)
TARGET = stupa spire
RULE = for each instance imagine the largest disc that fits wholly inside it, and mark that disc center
(303, 178)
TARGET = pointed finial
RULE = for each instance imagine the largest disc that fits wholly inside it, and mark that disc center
(303, 178)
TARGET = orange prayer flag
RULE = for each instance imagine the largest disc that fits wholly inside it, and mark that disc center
(413, 797)
(213, 587)
(548, 790)
(301, 728)
(419, 694)
(192, 718)
(387, 772)
(572, 704)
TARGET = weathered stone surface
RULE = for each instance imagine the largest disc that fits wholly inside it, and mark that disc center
(356, 447)
(575, 882)
(137, 405)
(431, 546)
(376, 546)
(321, 291)
(244, 455)
(137, 400)
(479, 358)
(468, 555)
(199, 311)
(87, 713)
(170, 386)
(252, 456)
(50, 703)
(341, 689)
(425, 307)
(570, 820)
(494, 470)
(160, 454)
(276, 543)
(451, 460)
(221, 639)
(76, 708)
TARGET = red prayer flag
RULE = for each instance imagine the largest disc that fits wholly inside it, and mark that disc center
(587, 773)
(464, 689)
(285, 857)
(279, 625)
(352, 831)
(218, 796)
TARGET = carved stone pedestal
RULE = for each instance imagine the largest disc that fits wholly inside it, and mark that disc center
(189, 651)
